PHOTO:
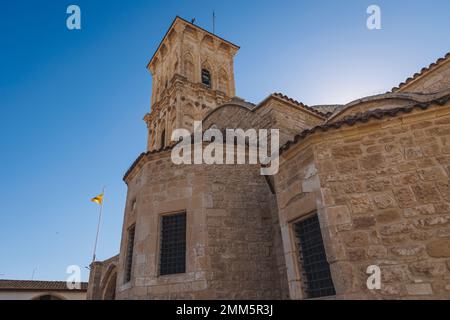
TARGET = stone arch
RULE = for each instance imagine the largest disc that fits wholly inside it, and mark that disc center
(188, 121)
(162, 138)
(231, 115)
(152, 133)
(207, 42)
(175, 67)
(172, 124)
(108, 283)
(171, 37)
(160, 130)
(207, 74)
(190, 32)
(189, 67)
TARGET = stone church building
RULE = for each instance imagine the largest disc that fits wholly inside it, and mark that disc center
(360, 185)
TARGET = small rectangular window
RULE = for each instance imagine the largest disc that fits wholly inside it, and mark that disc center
(129, 253)
(173, 244)
(316, 270)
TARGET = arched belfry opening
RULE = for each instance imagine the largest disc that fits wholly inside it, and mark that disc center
(163, 138)
(206, 78)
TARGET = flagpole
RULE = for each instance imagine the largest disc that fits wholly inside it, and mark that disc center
(98, 226)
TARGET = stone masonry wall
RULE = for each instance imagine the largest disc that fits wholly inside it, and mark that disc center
(297, 191)
(385, 200)
(382, 194)
(241, 229)
(230, 232)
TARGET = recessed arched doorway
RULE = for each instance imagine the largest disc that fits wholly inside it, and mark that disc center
(109, 284)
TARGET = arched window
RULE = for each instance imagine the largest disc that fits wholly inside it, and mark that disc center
(189, 67)
(206, 78)
(108, 284)
(163, 139)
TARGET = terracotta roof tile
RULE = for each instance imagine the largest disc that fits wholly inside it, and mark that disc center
(300, 104)
(37, 285)
(350, 120)
(423, 71)
(143, 155)
(362, 118)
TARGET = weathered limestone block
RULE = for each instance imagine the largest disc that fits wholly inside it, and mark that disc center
(428, 268)
(338, 215)
(356, 254)
(377, 252)
(364, 222)
(404, 179)
(395, 273)
(356, 239)
(346, 152)
(426, 193)
(439, 248)
(373, 161)
(408, 250)
(384, 200)
(419, 289)
(388, 216)
(444, 189)
(405, 197)
(432, 221)
(432, 173)
(361, 204)
(397, 228)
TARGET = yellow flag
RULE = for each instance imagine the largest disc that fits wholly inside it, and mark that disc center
(98, 199)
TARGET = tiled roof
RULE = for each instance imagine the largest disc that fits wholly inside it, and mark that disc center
(143, 155)
(349, 120)
(363, 117)
(30, 285)
(328, 109)
(432, 66)
(300, 104)
(277, 95)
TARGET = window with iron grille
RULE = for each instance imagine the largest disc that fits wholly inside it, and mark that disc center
(206, 78)
(316, 270)
(173, 244)
(129, 256)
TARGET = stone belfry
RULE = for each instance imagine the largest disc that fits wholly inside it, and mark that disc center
(192, 74)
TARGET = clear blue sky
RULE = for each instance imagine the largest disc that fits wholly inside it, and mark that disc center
(72, 102)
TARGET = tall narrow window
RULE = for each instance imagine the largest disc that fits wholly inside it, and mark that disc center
(206, 78)
(173, 244)
(316, 270)
(163, 139)
(129, 254)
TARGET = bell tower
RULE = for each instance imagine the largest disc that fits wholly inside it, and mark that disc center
(192, 74)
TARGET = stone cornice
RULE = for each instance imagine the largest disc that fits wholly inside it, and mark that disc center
(175, 84)
(179, 19)
(365, 117)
